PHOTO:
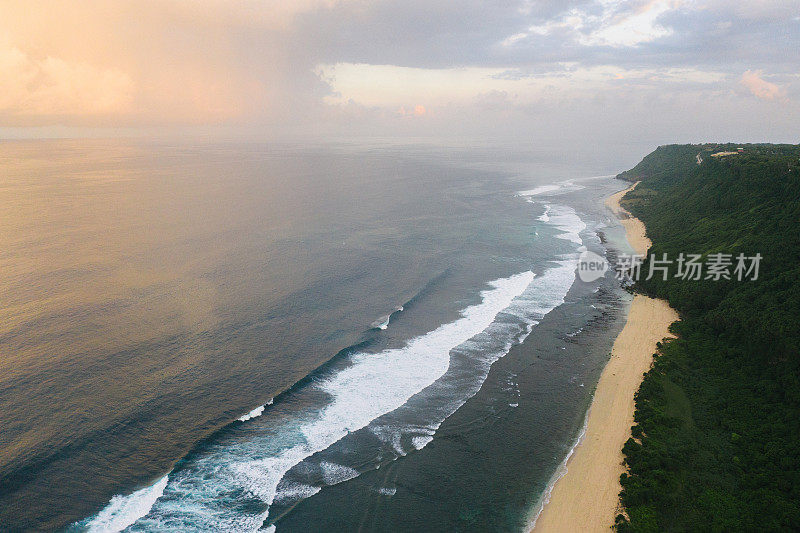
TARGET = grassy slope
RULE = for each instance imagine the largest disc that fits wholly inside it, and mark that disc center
(718, 416)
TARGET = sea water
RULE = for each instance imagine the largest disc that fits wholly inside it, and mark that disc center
(237, 337)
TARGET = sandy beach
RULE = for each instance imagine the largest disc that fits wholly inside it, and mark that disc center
(586, 497)
(634, 228)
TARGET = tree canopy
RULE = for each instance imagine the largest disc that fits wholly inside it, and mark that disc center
(716, 445)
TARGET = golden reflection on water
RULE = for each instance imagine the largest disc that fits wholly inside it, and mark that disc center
(117, 262)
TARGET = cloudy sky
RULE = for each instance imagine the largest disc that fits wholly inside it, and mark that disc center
(658, 70)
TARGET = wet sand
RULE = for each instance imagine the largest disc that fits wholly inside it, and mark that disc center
(586, 498)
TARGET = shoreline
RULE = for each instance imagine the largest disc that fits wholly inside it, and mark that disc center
(585, 493)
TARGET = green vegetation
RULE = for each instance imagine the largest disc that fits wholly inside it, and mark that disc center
(717, 434)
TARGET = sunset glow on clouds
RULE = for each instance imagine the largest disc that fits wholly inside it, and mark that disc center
(334, 65)
(377, 85)
(759, 87)
(52, 86)
(141, 62)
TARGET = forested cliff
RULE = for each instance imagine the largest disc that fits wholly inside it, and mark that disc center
(716, 443)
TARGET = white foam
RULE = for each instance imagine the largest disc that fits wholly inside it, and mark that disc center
(390, 435)
(542, 189)
(421, 442)
(296, 491)
(122, 511)
(567, 220)
(383, 322)
(258, 411)
(374, 384)
(553, 189)
(379, 383)
(543, 294)
(545, 217)
(333, 473)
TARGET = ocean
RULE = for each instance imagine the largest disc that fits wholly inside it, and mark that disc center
(285, 337)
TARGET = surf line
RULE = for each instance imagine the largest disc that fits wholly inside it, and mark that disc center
(431, 353)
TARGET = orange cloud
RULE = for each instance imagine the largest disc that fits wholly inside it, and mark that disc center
(759, 87)
(145, 62)
(417, 111)
(54, 86)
